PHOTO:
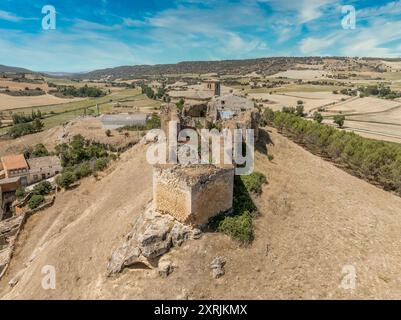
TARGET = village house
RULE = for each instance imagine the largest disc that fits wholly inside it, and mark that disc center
(14, 166)
(43, 168)
(17, 171)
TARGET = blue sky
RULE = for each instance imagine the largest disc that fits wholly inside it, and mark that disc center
(93, 34)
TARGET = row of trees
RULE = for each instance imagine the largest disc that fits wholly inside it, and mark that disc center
(380, 91)
(151, 94)
(376, 161)
(19, 118)
(82, 92)
(23, 129)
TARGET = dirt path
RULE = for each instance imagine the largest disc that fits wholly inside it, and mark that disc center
(315, 219)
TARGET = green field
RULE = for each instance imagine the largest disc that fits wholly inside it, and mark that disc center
(77, 105)
(296, 88)
(55, 115)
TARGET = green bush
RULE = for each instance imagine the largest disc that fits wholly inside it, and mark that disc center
(267, 117)
(318, 117)
(101, 164)
(36, 201)
(83, 170)
(66, 179)
(239, 227)
(20, 193)
(339, 120)
(254, 182)
(42, 188)
(239, 224)
(39, 151)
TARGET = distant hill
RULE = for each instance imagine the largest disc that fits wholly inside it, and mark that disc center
(14, 69)
(265, 66)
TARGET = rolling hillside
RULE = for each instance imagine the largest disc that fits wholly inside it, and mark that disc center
(314, 219)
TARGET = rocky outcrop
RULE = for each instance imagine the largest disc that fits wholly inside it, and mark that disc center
(9, 230)
(165, 269)
(217, 266)
(152, 236)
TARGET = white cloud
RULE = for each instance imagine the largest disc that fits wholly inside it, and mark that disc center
(5, 15)
(315, 46)
(304, 10)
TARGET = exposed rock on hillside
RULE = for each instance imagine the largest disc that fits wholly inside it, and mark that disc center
(152, 236)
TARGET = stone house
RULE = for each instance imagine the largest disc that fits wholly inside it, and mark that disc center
(43, 168)
(17, 171)
(13, 166)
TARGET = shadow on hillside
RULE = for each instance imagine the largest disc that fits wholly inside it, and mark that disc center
(264, 141)
(237, 222)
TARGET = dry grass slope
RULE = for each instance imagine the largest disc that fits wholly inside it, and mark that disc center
(314, 219)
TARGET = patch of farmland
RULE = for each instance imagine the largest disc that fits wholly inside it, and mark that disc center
(302, 74)
(278, 101)
(363, 105)
(390, 116)
(15, 86)
(317, 95)
(394, 65)
(11, 102)
(377, 131)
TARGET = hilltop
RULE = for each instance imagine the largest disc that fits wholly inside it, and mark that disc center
(9, 69)
(314, 219)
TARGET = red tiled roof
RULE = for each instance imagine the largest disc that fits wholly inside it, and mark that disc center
(13, 162)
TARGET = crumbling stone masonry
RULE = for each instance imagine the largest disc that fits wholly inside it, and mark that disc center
(193, 194)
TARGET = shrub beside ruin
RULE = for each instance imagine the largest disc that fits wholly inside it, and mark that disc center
(238, 225)
(35, 201)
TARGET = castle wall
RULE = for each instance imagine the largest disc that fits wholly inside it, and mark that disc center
(193, 194)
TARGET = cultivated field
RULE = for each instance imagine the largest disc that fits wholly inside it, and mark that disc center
(61, 114)
(372, 130)
(363, 105)
(391, 116)
(10, 102)
(302, 74)
(311, 101)
(14, 85)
